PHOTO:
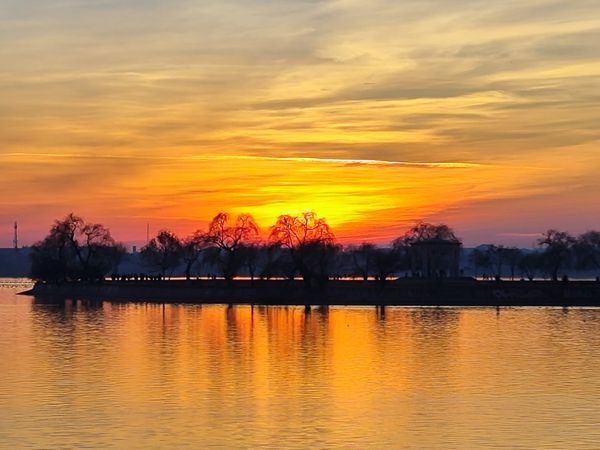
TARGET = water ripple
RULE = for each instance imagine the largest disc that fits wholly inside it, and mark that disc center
(79, 374)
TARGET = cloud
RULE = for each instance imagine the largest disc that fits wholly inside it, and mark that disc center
(268, 98)
(369, 162)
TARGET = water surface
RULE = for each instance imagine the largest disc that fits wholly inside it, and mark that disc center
(136, 376)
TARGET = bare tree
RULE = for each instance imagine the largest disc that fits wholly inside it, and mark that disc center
(385, 262)
(496, 254)
(191, 250)
(480, 258)
(530, 265)
(587, 251)
(163, 252)
(558, 250)
(250, 254)
(424, 231)
(310, 242)
(229, 239)
(512, 256)
(75, 250)
(95, 239)
(362, 259)
(270, 255)
(116, 254)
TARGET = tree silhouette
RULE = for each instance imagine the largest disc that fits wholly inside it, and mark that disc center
(480, 258)
(94, 240)
(163, 252)
(385, 263)
(362, 257)
(496, 253)
(587, 251)
(249, 254)
(115, 255)
(512, 256)
(495, 257)
(272, 261)
(75, 250)
(310, 243)
(558, 247)
(191, 250)
(229, 239)
(530, 264)
(303, 244)
(424, 231)
(401, 247)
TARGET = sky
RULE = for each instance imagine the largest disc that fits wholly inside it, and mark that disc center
(483, 115)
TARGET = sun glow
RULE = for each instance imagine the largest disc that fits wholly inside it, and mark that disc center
(361, 199)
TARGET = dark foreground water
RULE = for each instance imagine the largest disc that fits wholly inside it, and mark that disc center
(139, 376)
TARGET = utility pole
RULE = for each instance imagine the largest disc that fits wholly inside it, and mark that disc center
(147, 233)
(16, 238)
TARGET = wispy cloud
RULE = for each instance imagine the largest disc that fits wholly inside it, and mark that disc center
(368, 162)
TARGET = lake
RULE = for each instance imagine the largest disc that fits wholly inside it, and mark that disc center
(81, 374)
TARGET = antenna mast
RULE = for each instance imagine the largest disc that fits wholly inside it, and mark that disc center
(16, 238)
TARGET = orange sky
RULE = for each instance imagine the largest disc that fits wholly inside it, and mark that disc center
(374, 115)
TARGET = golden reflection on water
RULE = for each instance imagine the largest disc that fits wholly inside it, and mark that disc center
(110, 375)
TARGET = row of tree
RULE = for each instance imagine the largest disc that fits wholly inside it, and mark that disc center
(75, 250)
(559, 251)
(301, 245)
(298, 245)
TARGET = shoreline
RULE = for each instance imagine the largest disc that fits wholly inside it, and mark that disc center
(401, 292)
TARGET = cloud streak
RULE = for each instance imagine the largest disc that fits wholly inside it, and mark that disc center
(367, 162)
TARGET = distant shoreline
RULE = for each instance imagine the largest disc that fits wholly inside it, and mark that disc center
(402, 292)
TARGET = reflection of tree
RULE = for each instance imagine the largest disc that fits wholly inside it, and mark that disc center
(434, 336)
(62, 323)
(435, 320)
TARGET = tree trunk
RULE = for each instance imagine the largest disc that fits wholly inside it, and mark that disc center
(188, 271)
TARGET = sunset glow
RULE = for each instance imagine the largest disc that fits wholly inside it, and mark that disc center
(373, 114)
